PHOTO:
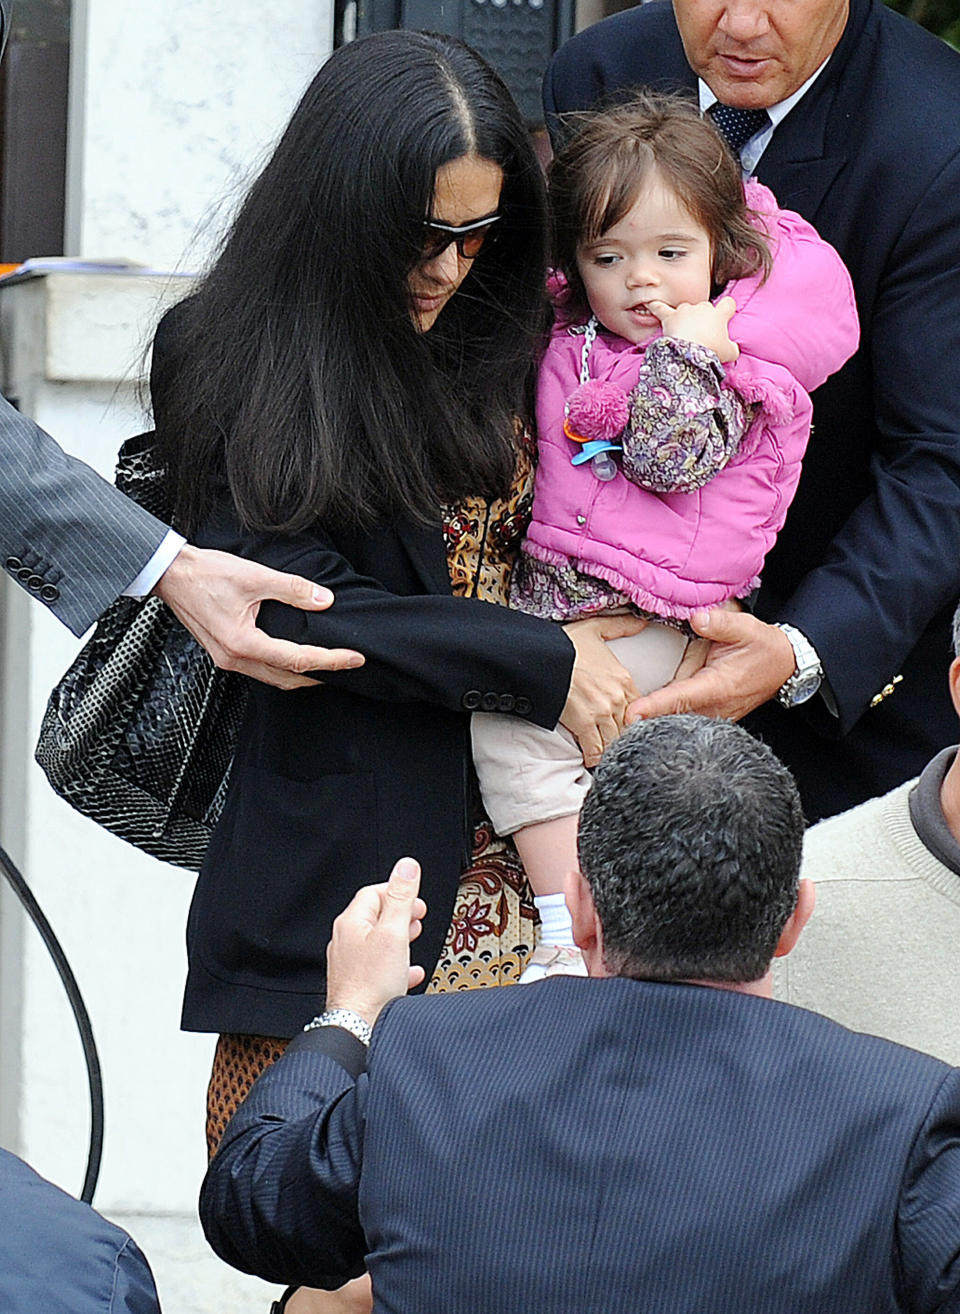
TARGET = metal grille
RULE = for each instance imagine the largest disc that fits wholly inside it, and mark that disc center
(516, 36)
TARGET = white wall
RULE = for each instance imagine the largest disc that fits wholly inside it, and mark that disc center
(172, 104)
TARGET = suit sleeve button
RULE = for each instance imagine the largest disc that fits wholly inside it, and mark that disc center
(471, 700)
(523, 706)
(49, 593)
(506, 703)
(35, 583)
(13, 564)
(24, 574)
(489, 702)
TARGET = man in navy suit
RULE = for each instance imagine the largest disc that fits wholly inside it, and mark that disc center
(661, 1136)
(863, 139)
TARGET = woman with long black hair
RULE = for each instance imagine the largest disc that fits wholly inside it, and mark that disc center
(346, 396)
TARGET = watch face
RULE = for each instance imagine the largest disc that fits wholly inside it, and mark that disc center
(804, 689)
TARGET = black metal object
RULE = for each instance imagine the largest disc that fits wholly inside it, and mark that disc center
(33, 128)
(516, 36)
(94, 1077)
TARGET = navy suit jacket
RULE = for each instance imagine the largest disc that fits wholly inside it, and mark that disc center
(868, 562)
(604, 1147)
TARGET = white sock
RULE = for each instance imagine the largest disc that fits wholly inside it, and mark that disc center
(556, 926)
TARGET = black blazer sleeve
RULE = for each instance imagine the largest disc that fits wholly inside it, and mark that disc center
(459, 653)
(393, 604)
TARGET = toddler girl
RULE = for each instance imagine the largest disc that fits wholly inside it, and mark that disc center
(693, 317)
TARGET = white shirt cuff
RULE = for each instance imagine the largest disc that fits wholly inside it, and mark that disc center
(155, 567)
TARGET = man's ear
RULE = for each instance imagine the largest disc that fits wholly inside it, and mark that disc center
(587, 931)
(806, 899)
(954, 681)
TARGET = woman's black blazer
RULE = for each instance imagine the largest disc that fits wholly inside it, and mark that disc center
(331, 785)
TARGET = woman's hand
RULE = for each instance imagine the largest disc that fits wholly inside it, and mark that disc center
(703, 323)
(601, 689)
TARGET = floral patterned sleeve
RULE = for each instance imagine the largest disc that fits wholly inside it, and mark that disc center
(684, 425)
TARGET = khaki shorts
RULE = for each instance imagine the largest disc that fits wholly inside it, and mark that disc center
(529, 774)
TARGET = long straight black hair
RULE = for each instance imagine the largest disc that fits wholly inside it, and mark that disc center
(296, 370)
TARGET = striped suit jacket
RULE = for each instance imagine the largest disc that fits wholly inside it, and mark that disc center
(66, 535)
(604, 1147)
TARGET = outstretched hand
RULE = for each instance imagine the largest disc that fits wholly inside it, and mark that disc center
(747, 663)
(368, 957)
(701, 322)
(217, 597)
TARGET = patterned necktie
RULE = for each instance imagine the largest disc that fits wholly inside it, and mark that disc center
(738, 125)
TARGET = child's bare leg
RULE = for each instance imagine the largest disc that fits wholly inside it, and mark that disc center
(652, 656)
(549, 850)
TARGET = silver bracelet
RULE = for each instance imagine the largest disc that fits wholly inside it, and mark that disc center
(345, 1018)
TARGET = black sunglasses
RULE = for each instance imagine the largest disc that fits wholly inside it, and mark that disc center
(468, 238)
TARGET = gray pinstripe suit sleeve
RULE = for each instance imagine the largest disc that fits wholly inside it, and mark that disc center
(66, 535)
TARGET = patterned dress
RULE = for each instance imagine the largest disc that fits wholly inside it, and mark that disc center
(491, 934)
(492, 931)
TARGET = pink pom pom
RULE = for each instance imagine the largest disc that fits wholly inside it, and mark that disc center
(597, 411)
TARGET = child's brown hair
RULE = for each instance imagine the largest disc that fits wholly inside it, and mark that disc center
(596, 178)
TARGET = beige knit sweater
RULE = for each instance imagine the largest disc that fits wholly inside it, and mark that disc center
(881, 952)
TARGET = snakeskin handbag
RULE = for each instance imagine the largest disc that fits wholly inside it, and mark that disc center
(140, 732)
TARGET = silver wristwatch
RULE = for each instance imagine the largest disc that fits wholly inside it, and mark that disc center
(807, 678)
(346, 1018)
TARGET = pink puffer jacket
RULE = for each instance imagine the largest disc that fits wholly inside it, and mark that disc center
(673, 553)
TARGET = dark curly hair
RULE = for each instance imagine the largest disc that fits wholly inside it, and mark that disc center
(596, 178)
(690, 840)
